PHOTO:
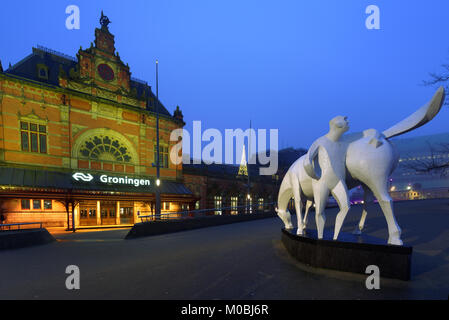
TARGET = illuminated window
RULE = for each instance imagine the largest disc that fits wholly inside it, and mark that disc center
(163, 156)
(33, 137)
(166, 206)
(47, 205)
(25, 204)
(234, 203)
(36, 204)
(260, 203)
(217, 205)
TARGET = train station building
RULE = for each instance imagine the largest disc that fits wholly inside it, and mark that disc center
(81, 133)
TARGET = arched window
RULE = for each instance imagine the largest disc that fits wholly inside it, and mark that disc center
(104, 148)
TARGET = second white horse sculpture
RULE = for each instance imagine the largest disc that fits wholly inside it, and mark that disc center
(336, 163)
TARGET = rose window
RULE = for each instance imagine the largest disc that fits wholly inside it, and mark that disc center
(104, 148)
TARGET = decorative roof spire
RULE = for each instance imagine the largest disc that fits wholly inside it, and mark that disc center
(104, 21)
(178, 114)
(104, 40)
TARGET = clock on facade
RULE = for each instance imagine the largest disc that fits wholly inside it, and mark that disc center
(106, 72)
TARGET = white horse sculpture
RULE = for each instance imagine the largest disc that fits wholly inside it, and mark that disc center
(369, 159)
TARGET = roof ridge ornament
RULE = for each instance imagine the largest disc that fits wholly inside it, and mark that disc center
(104, 21)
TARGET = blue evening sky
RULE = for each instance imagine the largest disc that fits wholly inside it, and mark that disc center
(290, 65)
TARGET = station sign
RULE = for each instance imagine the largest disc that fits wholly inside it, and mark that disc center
(107, 179)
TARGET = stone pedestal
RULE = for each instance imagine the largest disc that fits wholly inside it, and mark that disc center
(350, 253)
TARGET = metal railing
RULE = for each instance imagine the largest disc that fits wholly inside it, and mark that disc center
(139, 81)
(192, 214)
(56, 53)
(18, 225)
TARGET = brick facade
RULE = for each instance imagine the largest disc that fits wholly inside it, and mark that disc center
(85, 114)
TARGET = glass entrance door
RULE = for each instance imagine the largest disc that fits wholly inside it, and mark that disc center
(126, 215)
(108, 213)
(88, 216)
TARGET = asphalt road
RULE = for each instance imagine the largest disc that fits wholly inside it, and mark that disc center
(238, 261)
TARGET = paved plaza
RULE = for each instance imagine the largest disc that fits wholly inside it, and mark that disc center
(238, 261)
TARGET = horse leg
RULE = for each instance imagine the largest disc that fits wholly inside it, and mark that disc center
(320, 194)
(308, 205)
(340, 193)
(298, 203)
(386, 203)
(368, 199)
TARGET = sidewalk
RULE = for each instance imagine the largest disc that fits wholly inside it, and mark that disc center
(63, 230)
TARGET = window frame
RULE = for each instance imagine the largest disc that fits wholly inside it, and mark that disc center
(42, 67)
(218, 205)
(40, 132)
(163, 155)
(22, 201)
(234, 204)
(40, 204)
(94, 146)
(51, 204)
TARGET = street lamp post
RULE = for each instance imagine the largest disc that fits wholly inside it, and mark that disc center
(249, 202)
(158, 191)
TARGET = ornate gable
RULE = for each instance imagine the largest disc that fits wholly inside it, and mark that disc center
(101, 72)
(101, 65)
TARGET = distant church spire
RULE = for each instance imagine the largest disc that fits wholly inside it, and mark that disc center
(243, 169)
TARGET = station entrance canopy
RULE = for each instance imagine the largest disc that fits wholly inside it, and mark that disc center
(25, 181)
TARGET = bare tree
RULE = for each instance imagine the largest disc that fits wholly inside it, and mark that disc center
(438, 79)
(435, 163)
